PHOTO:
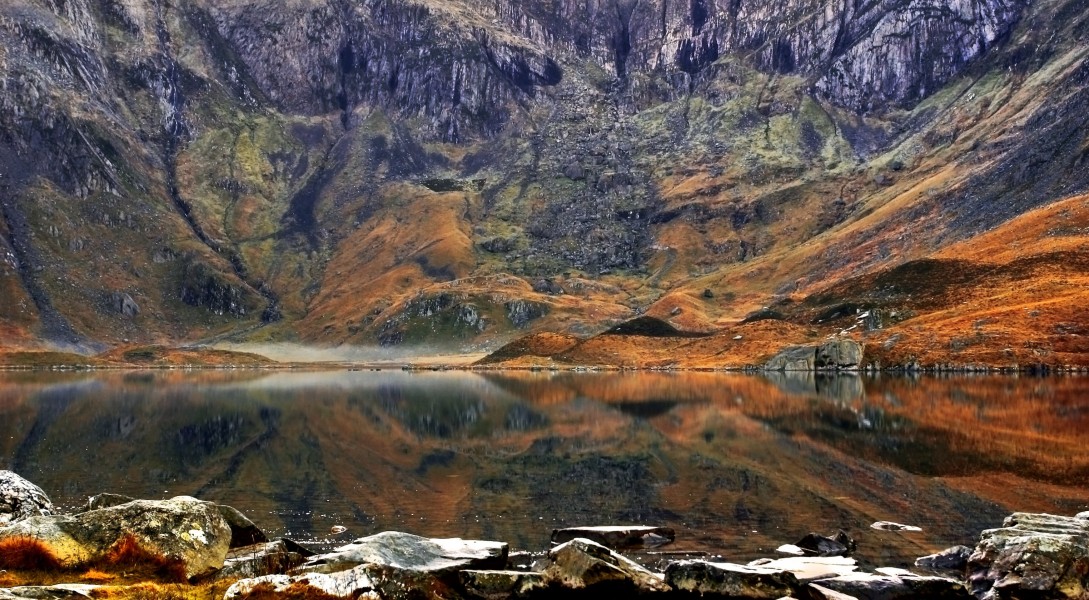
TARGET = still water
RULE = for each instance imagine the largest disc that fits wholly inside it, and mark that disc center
(738, 465)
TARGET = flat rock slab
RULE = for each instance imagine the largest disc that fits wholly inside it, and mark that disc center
(730, 580)
(269, 558)
(49, 592)
(353, 583)
(619, 537)
(811, 568)
(407, 552)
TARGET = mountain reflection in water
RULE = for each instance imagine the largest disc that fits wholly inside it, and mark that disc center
(737, 464)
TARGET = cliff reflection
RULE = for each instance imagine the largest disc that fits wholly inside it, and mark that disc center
(740, 464)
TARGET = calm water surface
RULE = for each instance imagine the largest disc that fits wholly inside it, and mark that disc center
(737, 464)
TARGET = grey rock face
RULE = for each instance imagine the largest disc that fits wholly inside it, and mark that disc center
(585, 565)
(411, 553)
(258, 560)
(1038, 555)
(124, 304)
(840, 353)
(730, 580)
(21, 499)
(951, 559)
(795, 358)
(182, 528)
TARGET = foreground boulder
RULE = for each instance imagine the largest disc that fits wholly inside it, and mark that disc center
(21, 499)
(181, 529)
(621, 537)
(409, 552)
(1032, 555)
(583, 564)
(243, 531)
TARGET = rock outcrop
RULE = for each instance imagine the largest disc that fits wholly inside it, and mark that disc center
(183, 529)
(410, 552)
(1032, 555)
(21, 499)
(834, 355)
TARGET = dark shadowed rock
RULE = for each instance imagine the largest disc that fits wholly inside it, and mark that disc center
(582, 564)
(820, 545)
(21, 499)
(243, 531)
(124, 304)
(730, 580)
(500, 584)
(618, 537)
(409, 552)
(269, 558)
(951, 559)
(1032, 555)
(873, 586)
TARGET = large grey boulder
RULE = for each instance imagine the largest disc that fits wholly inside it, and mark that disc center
(1037, 555)
(404, 551)
(730, 580)
(183, 529)
(839, 353)
(21, 499)
(582, 564)
(243, 531)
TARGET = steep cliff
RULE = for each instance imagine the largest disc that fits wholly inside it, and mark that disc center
(400, 171)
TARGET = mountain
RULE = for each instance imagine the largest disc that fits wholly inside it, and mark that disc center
(420, 173)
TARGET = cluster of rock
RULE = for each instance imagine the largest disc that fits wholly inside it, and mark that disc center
(837, 354)
(1032, 555)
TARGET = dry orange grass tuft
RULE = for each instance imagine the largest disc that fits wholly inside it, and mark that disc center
(96, 576)
(27, 554)
(129, 556)
(295, 592)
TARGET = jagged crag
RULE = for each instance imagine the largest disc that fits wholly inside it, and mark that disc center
(442, 171)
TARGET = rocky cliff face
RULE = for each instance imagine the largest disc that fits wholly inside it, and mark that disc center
(322, 168)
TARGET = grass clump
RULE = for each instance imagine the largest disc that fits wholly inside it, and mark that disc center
(28, 554)
(130, 558)
(296, 591)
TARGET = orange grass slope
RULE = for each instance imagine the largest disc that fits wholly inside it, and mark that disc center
(1022, 297)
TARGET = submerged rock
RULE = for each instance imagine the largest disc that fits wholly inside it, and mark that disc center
(618, 537)
(21, 499)
(951, 559)
(1037, 555)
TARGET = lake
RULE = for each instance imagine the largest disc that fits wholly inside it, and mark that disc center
(737, 464)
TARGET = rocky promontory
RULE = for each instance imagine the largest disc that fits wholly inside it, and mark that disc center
(123, 548)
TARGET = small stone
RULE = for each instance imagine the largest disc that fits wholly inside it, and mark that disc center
(890, 526)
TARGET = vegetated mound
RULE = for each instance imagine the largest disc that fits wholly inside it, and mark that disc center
(543, 345)
(651, 327)
(158, 356)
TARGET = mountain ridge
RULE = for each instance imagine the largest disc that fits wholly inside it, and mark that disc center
(437, 172)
